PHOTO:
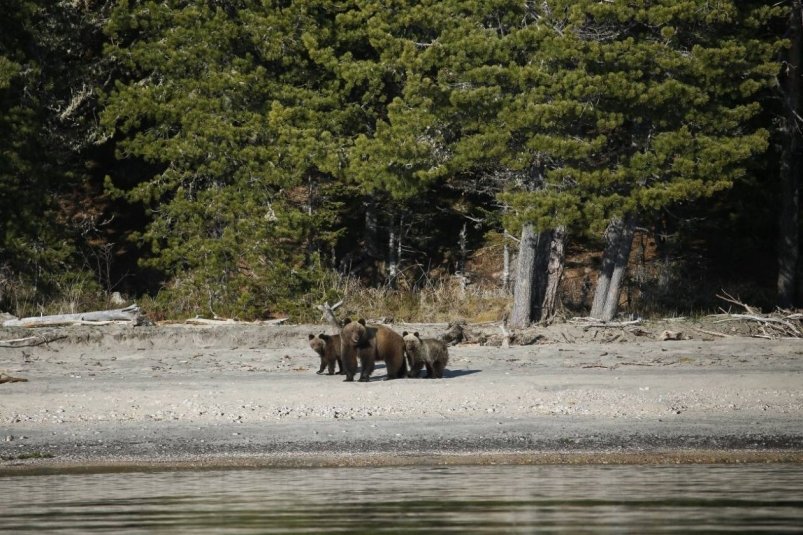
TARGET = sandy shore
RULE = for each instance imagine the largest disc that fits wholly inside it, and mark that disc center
(120, 397)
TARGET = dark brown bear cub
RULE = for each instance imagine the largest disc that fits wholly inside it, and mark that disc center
(427, 352)
(328, 348)
(369, 344)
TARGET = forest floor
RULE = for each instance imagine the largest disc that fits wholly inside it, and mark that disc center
(183, 396)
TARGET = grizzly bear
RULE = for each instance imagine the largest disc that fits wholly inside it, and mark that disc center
(328, 348)
(369, 344)
(427, 352)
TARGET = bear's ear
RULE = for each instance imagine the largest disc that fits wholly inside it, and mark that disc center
(324, 337)
(405, 333)
(346, 321)
(361, 321)
(416, 335)
(311, 336)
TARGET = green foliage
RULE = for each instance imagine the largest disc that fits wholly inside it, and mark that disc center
(235, 150)
(236, 140)
(631, 108)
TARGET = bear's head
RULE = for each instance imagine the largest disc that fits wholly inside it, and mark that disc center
(354, 333)
(318, 343)
(412, 342)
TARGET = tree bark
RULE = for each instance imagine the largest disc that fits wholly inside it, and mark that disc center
(555, 265)
(506, 263)
(394, 246)
(521, 314)
(619, 241)
(788, 239)
(538, 271)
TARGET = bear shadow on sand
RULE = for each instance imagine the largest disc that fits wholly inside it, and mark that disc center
(447, 374)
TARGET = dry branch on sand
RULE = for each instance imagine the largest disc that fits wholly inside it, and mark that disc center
(219, 322)
(779, 324)
(6, 378)
(593, 323)
(30, 341)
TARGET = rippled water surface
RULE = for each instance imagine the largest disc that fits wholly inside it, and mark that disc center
(469, 499)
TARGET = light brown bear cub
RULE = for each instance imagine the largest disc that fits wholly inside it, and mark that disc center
(427, 352)
(328, 348)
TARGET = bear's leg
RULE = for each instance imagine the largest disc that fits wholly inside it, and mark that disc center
(438, 366)
(349, 367)
(367, 365)
(415, 369)
(430, 371)
(340, 367)
(331, 366)
(395, 367)
(402, 373)
(323, 365)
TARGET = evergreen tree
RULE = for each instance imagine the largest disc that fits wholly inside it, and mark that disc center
(46, 122)
(791, 125)
(211, 101)
(635, 107)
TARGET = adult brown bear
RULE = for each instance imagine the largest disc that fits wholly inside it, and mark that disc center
(369, 344)
(328, 348)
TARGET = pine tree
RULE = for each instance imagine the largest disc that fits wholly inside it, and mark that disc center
(46, 127)
(635, 107)
(212, 103)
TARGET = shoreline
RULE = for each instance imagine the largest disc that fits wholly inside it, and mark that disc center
(123, 399)
(384, 460)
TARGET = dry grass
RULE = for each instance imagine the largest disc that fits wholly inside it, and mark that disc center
(440, 300)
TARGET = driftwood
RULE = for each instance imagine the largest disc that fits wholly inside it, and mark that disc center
(6, 378)
(780, 324)
(594, 323)
(30, 341)
(328, 314)
(223, 322)
(129, 314)
(505, 336)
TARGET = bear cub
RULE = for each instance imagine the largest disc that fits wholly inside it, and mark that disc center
(427, 352)
(328, 348)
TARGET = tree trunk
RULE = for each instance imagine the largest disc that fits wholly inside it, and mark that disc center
(555, 265)
(506, 263)
(394, 248)
(788, 242)
(538, 271)
(521, 314)
(619, 240)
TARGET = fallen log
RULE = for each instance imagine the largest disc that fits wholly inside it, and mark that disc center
(6, 378)
(230, 321)
(128, 314)
(30, 341)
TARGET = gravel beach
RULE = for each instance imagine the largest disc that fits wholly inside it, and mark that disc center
(182, 396)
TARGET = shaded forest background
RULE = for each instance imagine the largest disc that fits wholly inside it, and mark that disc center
(250, 159)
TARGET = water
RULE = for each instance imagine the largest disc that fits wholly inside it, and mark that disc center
(466, 499)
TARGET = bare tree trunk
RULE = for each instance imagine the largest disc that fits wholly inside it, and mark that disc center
(394, 247)
(619, 241)
(506, 262)
(521, 314)
(540, 276)
(555, 265)
(789, 241)
(538, 272)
